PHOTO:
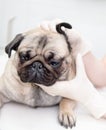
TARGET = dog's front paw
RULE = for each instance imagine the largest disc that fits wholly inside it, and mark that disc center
(67, 119)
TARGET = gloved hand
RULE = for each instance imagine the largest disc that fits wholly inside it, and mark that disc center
(80, 89)
(78, 43)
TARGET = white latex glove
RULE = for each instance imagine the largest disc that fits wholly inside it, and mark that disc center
(78, 43)
(80, 89)
(50, 25)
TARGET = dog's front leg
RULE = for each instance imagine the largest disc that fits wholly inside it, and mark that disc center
(3, 99)
(66, 113)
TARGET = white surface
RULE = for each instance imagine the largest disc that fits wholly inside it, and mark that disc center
(20, 117)
(14, 116)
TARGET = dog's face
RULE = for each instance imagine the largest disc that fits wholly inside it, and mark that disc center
(41, 57)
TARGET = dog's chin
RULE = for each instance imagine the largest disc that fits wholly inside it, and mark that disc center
(44, 81)
(38, 81)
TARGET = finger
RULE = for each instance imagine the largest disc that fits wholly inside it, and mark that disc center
(80, 69)
(40, 85)
(45, 25)
(52, 24)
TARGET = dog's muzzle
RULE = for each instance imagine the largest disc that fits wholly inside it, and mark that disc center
(37, 73)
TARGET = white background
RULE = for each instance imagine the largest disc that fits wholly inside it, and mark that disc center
(88, 16)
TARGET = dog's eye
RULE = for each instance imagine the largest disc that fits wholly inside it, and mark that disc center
(54, 63)
(24, 57)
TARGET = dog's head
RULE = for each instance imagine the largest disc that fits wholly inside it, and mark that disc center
(42, 57)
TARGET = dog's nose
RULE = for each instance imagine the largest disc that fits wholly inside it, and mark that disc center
(37, 65)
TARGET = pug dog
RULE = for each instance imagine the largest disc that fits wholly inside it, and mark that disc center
(41, 57)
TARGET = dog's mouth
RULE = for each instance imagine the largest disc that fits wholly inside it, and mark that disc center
(37, 73)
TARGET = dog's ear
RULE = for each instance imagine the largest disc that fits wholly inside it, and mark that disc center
(13, 45)
(59, 30)
(66, 25)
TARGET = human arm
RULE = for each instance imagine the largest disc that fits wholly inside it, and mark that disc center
(81, 90)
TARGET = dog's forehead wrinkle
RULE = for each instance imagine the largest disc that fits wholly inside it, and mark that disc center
(42, 41)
